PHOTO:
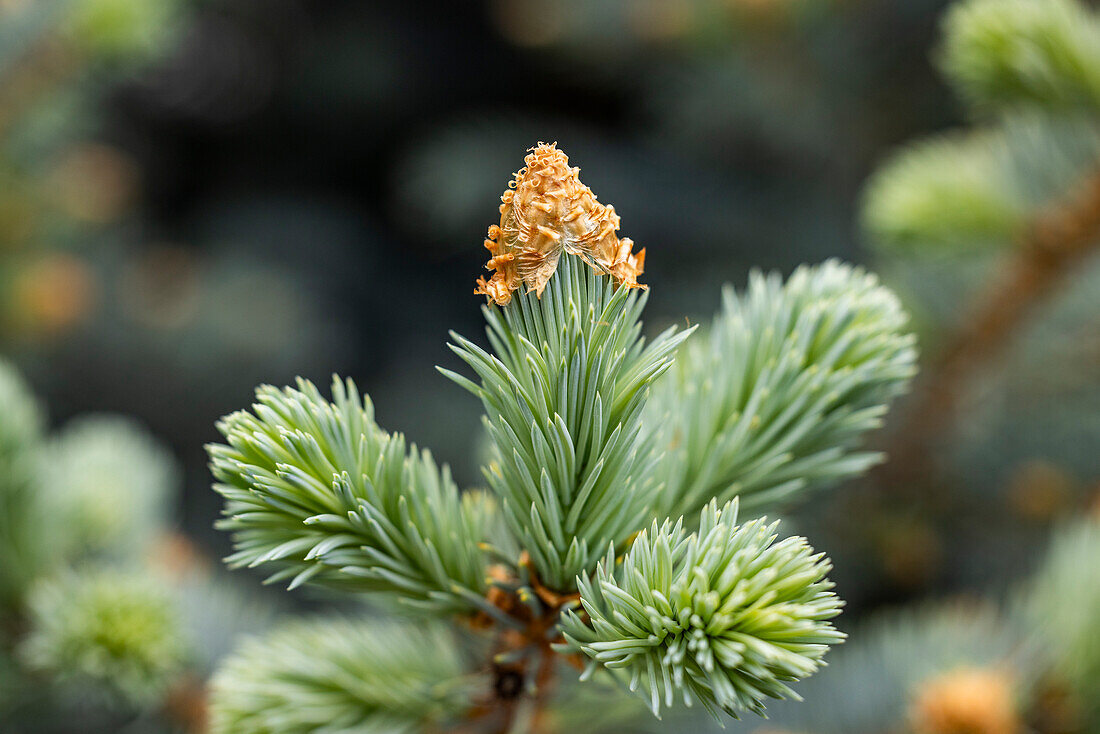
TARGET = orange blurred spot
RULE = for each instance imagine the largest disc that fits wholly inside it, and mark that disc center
(966, 701)
(55, 293)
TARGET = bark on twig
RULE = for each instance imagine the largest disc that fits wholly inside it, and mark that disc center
(519, 693)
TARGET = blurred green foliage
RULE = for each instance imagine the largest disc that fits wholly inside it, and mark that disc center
(1044, 52)
(334, 675)
(107, 633)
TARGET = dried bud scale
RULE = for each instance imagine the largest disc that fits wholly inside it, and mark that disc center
(546, 211)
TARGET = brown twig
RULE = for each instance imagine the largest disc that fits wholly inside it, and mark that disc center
(545, 678)
(186, 704)
(515, 649)
(1055, 241)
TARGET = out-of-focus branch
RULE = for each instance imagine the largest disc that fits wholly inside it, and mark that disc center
(1054, 242)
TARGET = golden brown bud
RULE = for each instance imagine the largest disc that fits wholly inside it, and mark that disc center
(546, 211)
(966, 701)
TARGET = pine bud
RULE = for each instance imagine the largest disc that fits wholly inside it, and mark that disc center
(547, 211)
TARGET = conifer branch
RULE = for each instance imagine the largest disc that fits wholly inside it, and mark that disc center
(725, 616)
(319, 491)
(1059, 607)
(1033, 68)
(1055, 242)
(563, 392)
(772, 399)
(1005, 53)
(107, 632)
(769, 403)
(336, 675)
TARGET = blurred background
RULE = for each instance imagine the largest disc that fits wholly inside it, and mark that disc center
(241, 192)
(197, 196)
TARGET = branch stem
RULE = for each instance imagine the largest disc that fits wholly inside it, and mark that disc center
(530, 635)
